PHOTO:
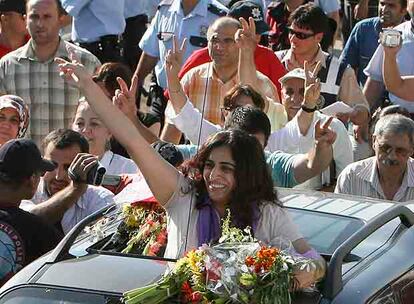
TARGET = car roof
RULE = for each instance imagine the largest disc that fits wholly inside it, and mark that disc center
(363, 208)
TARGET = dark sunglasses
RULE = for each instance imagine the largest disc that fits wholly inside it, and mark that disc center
(299, 35)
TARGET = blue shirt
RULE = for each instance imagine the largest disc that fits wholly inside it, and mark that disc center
(93, 19)
(140, 7)
(170, 20)
(361, 45)
(280, 163)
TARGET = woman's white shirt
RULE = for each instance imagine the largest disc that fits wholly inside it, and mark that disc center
(116, 164)
(274, 224)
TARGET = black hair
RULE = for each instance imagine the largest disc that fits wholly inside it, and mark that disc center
(65, 138)
(311, 17)
(249, 119)
(254, 184)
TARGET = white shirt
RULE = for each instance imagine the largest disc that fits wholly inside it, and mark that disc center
(361, 178)
(405, 62)
(92, 200)
(116, 164)
(290, 140)
(274, 226)
(197, 129)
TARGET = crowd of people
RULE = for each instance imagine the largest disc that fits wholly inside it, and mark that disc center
(244, 95)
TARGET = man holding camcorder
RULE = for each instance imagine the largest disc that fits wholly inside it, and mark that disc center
(65, 199)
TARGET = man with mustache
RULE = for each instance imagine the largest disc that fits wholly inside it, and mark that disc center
(390, 173)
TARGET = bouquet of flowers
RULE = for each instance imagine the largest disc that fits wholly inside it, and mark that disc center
(237, 270)
(143, 229)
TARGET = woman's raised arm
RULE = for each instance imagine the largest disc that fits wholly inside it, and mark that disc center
(161, 177)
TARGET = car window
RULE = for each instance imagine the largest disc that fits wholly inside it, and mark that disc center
(372, 243)
(47, 295)
(324, 231)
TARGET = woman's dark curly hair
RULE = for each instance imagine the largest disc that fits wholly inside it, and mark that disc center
(230, 99)
(254, 183)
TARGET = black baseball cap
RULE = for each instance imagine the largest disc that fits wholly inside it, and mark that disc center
(18, 6)
(21, 158)
(246, 9)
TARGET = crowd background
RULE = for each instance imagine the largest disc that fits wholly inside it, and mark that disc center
(240, 96)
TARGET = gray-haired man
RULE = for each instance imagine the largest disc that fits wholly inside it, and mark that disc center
(390, 173)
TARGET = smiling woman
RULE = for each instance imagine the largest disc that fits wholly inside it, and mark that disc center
(228, 172)
(14, 118)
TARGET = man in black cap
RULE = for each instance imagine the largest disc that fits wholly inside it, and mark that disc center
(13, 33)
(23, 236)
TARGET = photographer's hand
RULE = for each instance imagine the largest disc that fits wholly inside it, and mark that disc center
(80, 166)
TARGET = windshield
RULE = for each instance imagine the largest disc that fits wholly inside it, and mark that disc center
(324, 231)
(49, 295)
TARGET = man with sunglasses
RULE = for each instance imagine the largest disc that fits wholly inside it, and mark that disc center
(13, 32)
(390, 173)
(308, 23)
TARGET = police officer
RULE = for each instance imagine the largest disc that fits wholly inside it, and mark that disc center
(98, 26)
(184, 19)
(136, 18)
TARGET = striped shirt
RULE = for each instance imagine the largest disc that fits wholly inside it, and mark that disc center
(51, 100)
(195, 83)
(361, 178)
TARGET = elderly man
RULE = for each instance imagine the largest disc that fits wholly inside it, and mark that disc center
(31, 73)
(207, 84)
(390, 173)
(300, 95)
(59, 199)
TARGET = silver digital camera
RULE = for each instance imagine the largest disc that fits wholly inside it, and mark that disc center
(390, 37)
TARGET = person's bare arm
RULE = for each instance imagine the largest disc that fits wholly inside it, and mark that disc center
(53, 209)
(245, 39)
(319, 157)
(310, 99)
(162, 178)
(145, 65)
(394, 82)
(361, 10)
(373, 91)
(124, 99)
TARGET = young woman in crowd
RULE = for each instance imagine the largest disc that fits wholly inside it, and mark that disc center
(89, 125)
(14, 118)
(228, 172)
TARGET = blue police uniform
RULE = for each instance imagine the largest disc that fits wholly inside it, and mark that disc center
(170, 20)
(97, 25)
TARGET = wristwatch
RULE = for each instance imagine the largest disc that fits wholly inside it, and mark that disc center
(308, 110)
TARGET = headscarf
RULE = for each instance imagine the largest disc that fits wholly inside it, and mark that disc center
(17, 103)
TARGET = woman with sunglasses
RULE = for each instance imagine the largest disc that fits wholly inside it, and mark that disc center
(14, 118)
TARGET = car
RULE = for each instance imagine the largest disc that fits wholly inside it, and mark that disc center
(368, 244)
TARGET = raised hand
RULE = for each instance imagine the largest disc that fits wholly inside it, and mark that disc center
(246, 36)
(173, 62)
(323, 133)
(312, 85)
(124, 97)
(73, 71)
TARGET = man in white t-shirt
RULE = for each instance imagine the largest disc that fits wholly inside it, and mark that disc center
(374, 87)
(298, 137)
(60, 200)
